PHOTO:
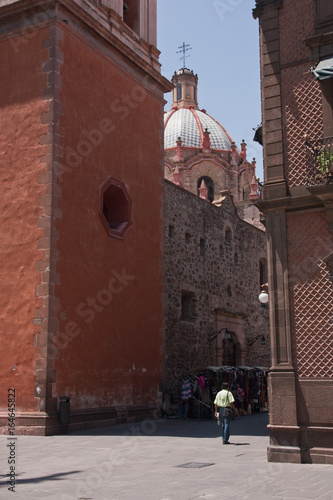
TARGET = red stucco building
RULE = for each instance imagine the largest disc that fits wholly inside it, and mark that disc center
(81, 169)
(297, 198)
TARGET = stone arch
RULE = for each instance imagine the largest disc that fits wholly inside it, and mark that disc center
(168, 171)
(210, 185)
(231, 351)
(236, 345)
(207, 169)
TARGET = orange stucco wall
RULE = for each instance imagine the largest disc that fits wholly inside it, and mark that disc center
(21, 107)
(109, 354)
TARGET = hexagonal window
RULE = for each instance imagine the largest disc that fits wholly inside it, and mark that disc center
(115, 208)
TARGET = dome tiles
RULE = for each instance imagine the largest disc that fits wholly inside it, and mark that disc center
(189, 124)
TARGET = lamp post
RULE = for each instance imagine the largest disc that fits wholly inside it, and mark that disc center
(263, 297)
(262, 341)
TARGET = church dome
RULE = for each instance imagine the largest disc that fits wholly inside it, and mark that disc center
(190, 124)
(186, 121)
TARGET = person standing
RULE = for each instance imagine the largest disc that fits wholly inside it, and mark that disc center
(224, 399)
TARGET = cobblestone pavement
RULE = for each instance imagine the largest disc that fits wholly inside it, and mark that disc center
(159, 460)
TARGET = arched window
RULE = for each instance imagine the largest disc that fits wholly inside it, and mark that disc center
(210, 185)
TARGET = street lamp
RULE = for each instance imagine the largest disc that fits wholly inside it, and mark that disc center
(227, 335)
(263, 297)
(262, 341)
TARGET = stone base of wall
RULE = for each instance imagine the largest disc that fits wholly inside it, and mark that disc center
(300, 444)
(43, 424)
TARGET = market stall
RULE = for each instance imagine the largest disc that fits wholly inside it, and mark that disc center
(200, 386)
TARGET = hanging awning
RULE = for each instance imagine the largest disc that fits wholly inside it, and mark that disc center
(324, 69)
(258, 135)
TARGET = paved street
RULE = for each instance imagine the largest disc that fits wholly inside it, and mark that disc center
(159, 460)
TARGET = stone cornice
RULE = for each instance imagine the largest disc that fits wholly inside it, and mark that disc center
(299, 198)
(216, 160)
(95, 17)
(319, 39)
(262, 4)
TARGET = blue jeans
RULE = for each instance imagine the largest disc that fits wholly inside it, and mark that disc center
(225, 424)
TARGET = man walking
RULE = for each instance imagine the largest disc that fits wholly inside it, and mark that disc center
(224, 399)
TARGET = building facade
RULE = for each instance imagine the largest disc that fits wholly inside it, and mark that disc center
(215, 245)
(297, 198)
(81, 298)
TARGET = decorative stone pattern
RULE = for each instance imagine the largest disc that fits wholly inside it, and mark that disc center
(303, 116)
(302, 102)
(296, 20)
(199, 260)
(311, 291)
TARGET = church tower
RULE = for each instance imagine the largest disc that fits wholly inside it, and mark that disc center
(203, 152)
(81, 308)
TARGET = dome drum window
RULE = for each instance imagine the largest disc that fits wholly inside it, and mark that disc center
(179, 92)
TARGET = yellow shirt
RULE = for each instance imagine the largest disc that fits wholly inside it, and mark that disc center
(224, 398)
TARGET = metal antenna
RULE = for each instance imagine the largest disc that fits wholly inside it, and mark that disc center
(184, 48)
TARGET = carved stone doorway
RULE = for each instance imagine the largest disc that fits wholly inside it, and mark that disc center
(230, 351)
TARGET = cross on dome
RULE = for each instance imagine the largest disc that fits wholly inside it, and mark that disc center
(184, 48)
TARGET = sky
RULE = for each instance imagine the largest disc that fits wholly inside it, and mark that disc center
(224, 40)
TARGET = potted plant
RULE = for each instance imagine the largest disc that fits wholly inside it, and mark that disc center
(324, 161)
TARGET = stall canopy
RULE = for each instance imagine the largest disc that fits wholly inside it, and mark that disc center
(324, 69)
(202, 385)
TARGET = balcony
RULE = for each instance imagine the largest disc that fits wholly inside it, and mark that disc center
(320, 161)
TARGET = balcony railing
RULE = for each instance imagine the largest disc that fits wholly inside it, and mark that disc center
(321, 160)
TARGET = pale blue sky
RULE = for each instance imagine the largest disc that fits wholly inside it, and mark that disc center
(225, 54)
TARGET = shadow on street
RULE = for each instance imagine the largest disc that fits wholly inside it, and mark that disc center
(250, 425)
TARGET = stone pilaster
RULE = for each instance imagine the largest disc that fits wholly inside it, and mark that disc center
(46, 315)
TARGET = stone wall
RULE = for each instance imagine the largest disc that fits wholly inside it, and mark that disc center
(223, 279)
